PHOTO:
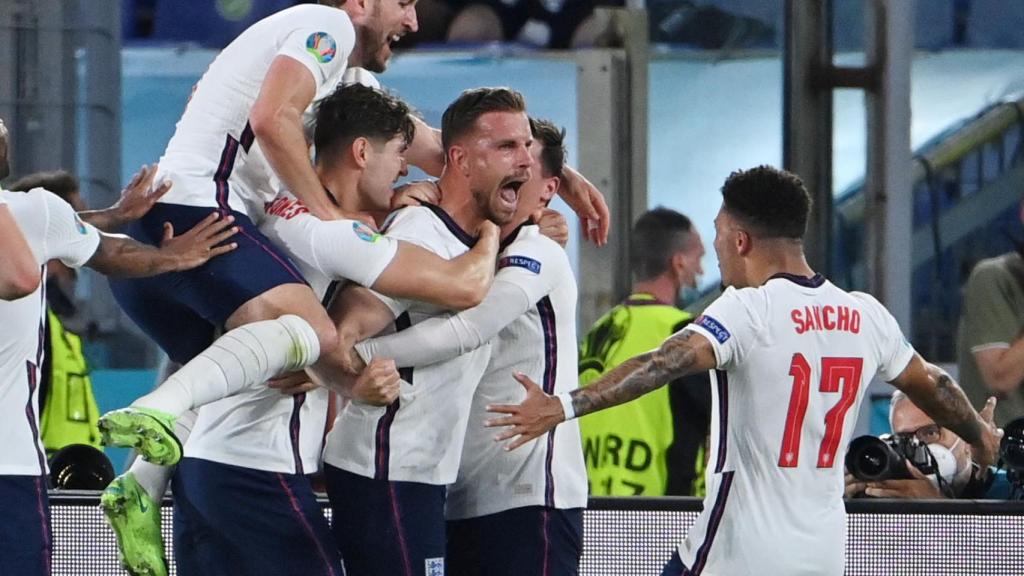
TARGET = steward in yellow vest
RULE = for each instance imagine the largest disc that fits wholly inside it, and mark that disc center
(654, 445)
(69, 412)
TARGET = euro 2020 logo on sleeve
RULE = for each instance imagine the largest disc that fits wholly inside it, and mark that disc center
(364, 232)
(322, 46)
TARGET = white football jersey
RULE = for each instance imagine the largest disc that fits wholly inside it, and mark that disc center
(53, 231)
(541, 343)
(213, 158)
(259, 428)
(418, 438)
(794, 359)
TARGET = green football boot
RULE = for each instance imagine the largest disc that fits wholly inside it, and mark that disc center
(149, 431)
(135, 518)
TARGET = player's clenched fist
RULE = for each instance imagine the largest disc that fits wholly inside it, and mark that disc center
(378, 383)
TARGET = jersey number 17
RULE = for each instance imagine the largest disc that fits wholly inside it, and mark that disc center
(837, 375)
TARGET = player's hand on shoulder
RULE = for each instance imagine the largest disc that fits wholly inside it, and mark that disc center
(553, 225)
(139, 196)
(538, 413)
(203, 241)
(378, 384)
(416, 194)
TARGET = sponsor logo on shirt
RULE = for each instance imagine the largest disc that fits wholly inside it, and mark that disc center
(711, 325)
(80, 225)
(364, 232)
(285, 207)
(520, 261)
(322, 46)
(435, 566)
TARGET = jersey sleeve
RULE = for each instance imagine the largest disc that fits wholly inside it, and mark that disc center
(536, 263)
(411, 224)
(442, 338)
(893, 350)
(337, 249)
(989, 320)
(732, 325)
(322, 47)
(68, 239)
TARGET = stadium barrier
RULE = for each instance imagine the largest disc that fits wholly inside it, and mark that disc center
(635, 536)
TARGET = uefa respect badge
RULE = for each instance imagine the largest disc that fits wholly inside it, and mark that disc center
(322, 46)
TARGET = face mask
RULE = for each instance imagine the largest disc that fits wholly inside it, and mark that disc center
(949, 469)
(687, 295)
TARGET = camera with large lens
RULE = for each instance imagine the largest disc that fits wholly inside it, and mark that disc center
(1011, 452)
(873, 458)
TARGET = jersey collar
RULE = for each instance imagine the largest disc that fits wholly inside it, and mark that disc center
(806, 281)
(453, 226)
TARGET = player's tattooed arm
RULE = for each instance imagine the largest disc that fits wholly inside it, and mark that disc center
(680, 355)
(137, 198)
(935, 392)
(123, 257)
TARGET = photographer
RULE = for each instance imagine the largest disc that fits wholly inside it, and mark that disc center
(957, 476)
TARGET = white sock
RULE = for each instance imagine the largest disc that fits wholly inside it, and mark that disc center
(154, 478)
(246, 356)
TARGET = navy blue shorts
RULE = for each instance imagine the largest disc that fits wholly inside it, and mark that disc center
(675, 566)
(181, 311)
(387, 528)
(231, 520)
(531, 540)
(25, 535)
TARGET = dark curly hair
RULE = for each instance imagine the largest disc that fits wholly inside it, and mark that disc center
(461, 115)
(357, 111)
(552, 138)
(773, 203)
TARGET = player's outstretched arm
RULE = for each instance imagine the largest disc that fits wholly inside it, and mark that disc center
(680, 355)
(121, 256)
(936, 393)
(19, 272)
(276, 121)
(426, 152)
(462, 282)
(136, 200)
(588, 203)
(445, 337)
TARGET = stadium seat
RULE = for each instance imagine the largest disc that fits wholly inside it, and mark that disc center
(210, 23)
(995, 24)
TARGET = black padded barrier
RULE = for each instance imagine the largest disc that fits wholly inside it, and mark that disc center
(635, 536)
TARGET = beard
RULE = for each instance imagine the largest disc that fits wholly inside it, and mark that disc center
(487, 210)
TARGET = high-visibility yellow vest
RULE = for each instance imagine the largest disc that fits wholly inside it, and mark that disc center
(69, 409)
(625, 447)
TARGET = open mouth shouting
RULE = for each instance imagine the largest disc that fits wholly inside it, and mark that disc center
(508, 191)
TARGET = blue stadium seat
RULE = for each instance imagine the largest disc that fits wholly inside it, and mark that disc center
(996, 24)
(211, 23)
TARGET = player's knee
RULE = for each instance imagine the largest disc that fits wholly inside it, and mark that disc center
(307, 342)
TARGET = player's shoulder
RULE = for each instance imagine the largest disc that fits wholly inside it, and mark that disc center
(409, 217)
(312, 16)
(531, 249)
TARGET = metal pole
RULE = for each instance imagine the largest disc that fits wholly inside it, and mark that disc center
(807, 117)
(889, 38)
